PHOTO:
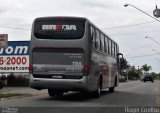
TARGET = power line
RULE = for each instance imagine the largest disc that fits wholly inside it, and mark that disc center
(19, 20)
(144, 55)
(13, 28)
(14, 21)
(130, 25)
(134, 33)
(101, 28)
(137, 48)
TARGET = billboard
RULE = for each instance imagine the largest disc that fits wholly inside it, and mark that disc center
(15, 57)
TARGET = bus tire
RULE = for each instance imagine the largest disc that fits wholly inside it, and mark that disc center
(59, 93)
(97, 93)
(111, 89)
(115, 84)
(51, 92)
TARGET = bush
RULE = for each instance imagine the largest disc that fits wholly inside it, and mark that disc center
(122, 80)
(13, 81)
(133, 75)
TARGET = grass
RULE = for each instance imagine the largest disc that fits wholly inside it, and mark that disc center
(8, 95)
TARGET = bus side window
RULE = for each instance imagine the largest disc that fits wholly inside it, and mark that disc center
(113, 52)
(106, 45)
(117, 49)
(102, 42)
(110, 47)
(92, 34)
(97, 41)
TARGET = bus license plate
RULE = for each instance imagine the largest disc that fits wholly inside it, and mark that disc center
(57, 76)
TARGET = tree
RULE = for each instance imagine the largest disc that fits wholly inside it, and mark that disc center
(154, 75)
(124, 64)
(146, 68)
(133, 73)
(124, 67)
(158, 75)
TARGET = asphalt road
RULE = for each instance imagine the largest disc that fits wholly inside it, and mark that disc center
(133, 94)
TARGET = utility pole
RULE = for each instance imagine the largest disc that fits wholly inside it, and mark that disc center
(126, 5)
(138, 72)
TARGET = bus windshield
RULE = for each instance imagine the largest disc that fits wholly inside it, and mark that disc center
(59, 28)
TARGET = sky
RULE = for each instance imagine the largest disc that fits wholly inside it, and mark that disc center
(126, 25)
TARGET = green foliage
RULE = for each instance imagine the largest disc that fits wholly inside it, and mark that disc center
(133, 75)
(146, 68)
(154, 75)
(10, 95)
(158, 76)
(124, 64)
(122, 80)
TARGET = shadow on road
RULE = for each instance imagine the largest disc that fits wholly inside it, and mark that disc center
(77, 96)
(118, 98)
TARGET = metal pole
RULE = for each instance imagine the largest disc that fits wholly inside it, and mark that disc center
(153, 40)
(138, 72)
(126, 5)
(127, 73)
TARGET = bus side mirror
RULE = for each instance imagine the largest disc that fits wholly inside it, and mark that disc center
(120, 54)
(119, 57)
(120, 61)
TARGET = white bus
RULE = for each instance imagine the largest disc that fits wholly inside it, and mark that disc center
(72, 54)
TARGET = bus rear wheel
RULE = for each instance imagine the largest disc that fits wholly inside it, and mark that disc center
(59, 93)
(53, 93)
(97, 93)
(111, 89)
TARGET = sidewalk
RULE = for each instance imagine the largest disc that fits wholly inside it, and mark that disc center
(21, 90)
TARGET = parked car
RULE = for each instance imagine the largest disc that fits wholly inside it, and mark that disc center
(147, 78)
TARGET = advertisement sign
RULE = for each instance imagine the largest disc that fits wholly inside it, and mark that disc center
(15, 57)
(3, 40)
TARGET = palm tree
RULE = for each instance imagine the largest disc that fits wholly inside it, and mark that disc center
(146, 68)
